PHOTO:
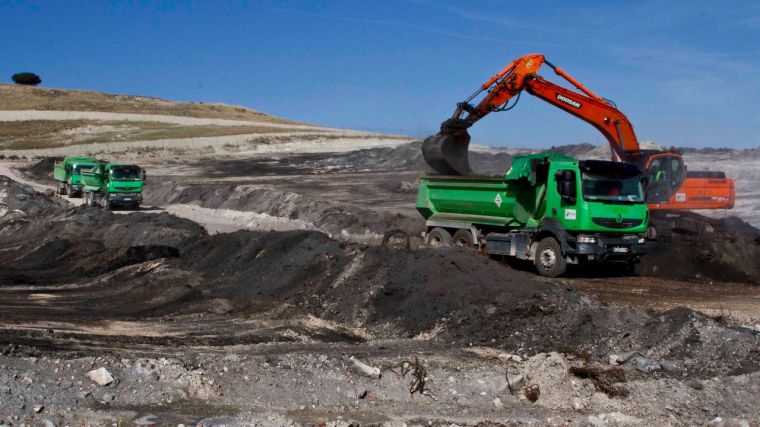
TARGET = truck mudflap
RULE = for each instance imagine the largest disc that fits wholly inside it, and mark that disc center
(603, 247)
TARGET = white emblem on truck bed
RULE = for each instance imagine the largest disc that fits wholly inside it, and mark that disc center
(497, 200)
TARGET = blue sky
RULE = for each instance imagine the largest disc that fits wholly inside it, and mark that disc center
(686, 73)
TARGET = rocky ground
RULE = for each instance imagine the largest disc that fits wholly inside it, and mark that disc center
(318, 324)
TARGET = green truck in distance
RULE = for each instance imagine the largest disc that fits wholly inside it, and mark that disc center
(68, 174)
(548, 208)
(110, 184)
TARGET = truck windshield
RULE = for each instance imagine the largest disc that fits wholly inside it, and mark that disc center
(626, 189)
(125, 173)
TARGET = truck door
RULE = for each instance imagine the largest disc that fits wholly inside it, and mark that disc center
(565, 195)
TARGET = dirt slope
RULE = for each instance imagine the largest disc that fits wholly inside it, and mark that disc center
(16, 97)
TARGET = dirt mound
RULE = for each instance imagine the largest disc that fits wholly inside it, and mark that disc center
(332, 217)
(20, 200)
(701, 248)
(42, 170)
(82, 263)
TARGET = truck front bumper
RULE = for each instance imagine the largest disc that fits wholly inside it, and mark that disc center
(125, 197)
(609, 248)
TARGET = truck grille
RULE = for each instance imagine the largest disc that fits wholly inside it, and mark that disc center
(125, 188)
(614, 223)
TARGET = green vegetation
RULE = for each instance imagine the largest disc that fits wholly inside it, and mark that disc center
(28, 79)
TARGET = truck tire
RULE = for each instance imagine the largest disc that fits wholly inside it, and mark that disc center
(438, 237)
(107, 205)
(463, 238)
(548, 259)
(70, 192)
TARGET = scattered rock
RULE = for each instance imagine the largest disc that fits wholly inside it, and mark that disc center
(38, 408)
(695, 384)
(364, 369)
(515, 381)
(498, 403)
(100, 376)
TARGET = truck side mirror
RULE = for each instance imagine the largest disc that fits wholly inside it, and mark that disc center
(566, 186)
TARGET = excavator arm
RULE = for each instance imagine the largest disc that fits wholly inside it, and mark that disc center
(446, 152)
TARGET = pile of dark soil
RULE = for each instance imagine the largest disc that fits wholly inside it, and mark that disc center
(90, 264)
(706, 249)
(42, 170)
(19, 200)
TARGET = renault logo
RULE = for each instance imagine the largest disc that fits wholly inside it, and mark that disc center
(619, 219)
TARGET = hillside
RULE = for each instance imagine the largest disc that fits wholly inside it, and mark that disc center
(41, 121)
(15, 97)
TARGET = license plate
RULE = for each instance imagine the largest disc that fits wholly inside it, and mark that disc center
(127, 199)
(620, 249)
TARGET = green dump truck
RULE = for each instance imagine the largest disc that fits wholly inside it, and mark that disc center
(68, 174)
(548, 208)
(110, 184)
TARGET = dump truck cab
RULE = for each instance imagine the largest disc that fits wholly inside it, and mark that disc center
(68, 173)
(111, 184)
(548, 208)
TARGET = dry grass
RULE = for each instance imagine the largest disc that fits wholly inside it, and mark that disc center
(33, 134)
(15, 97)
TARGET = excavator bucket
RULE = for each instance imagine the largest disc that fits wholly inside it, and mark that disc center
(446, 152)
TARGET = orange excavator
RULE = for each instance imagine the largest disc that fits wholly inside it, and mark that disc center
(670, 186)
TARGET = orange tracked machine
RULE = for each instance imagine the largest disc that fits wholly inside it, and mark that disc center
(670, 186)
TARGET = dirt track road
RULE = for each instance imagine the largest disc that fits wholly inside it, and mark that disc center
(734, 302)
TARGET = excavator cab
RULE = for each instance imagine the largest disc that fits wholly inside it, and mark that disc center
(665, 173)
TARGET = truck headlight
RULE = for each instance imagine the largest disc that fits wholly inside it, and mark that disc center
(586, 239)
(641, 240)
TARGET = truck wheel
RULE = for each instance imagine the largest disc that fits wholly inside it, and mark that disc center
(438, 237)
(70, 192)
(107, 205)
(463, 238)
(651, 232)
(549, 260)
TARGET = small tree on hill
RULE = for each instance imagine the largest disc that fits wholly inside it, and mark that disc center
(29, 79)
